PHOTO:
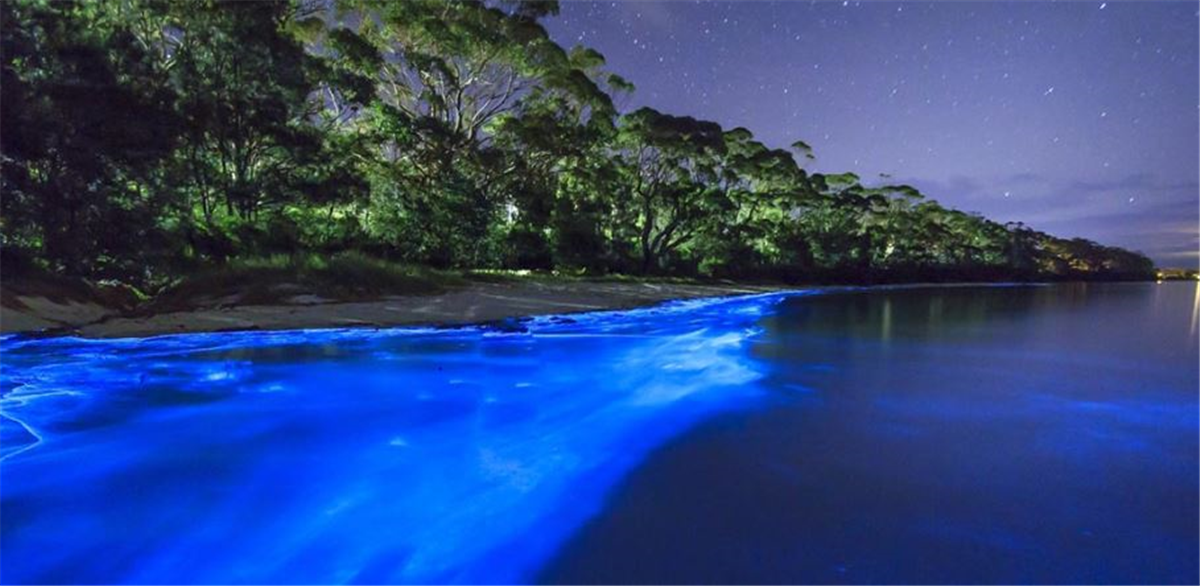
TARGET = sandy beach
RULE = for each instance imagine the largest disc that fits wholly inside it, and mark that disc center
(475, 303)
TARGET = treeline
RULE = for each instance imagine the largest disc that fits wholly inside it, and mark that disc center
(144, 139)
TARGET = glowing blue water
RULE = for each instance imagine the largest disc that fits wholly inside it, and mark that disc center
(932, 436)
(345, 456)
(1032, 434)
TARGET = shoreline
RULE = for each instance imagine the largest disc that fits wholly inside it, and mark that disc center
(502, 304)
(477, 303)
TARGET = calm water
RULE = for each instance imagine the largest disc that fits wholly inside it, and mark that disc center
(982, 434)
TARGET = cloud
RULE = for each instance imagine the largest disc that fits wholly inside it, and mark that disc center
(960, 186)
(1133, 182)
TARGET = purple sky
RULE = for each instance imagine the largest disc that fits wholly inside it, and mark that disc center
(1077, 118)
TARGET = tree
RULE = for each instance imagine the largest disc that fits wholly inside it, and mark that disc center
(552, 145)
(244, 88)
(85, 125)
(668, 164)
(142, 137)
(753, 193)
(453, 76)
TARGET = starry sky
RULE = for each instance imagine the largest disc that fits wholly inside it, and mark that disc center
(1079, 118)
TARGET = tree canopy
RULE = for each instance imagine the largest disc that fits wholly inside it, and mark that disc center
(142, 139)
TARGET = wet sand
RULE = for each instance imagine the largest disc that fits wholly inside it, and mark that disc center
(476, 303)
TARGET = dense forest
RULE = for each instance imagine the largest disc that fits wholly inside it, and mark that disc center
(143, 140)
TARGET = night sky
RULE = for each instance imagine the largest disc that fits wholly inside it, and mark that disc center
(1077, 118)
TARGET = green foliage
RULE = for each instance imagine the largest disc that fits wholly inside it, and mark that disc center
(143, 140)
(85, 123)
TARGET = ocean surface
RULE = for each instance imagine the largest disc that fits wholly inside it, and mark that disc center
(925, 434)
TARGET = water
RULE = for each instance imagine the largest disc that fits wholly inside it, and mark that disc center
(983, 434)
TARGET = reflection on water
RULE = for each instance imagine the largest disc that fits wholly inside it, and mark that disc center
(1040, 434)
(1195, 309)
(913, 435)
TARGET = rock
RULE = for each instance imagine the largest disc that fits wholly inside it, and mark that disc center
(508, 325)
